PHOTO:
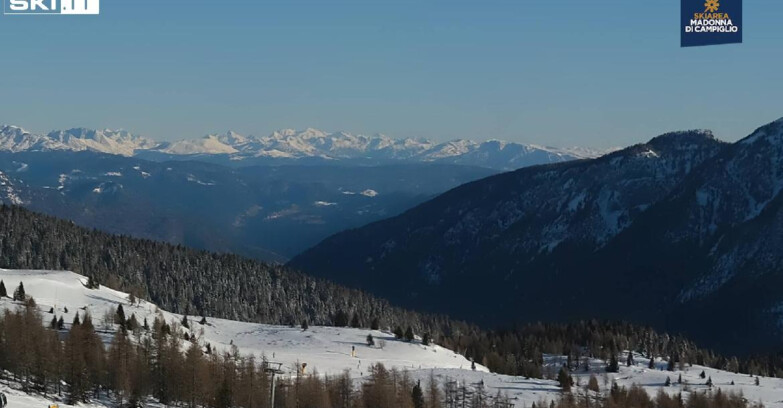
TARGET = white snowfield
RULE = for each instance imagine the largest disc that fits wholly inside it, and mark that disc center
(327, 350)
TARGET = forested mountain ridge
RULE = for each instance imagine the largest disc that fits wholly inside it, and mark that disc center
(679, 232)
(194, 282)
(187, 280)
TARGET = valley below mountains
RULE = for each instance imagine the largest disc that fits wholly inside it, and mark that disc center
(263, 212)
(268, 198)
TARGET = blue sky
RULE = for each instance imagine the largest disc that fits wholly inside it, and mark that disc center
(569, 72)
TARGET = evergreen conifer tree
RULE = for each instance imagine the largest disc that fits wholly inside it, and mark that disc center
(19, 294)
(417, 396)
(409, 334)
(370, 340)
(398, 333)
(92, 283)
(120, 316)
(341, 318)
(3, 291)
(355, 323)
(613, 365)
(132, 324)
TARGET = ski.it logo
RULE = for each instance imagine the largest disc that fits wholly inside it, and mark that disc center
(51, 6)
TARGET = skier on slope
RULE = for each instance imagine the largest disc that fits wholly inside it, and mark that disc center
(3, 400)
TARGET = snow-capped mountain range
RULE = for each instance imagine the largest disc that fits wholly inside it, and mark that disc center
(289, 144)
(16, 139)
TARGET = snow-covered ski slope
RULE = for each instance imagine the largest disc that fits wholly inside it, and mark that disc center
(328, 349)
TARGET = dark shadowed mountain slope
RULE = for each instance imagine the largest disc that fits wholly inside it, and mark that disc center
(712, 247)
(497, 236)
(683, 232)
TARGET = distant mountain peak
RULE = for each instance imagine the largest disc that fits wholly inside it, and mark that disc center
(110, 141)
(306, 134)
(209, 144)
(12, 128)
(690, 135)
(684, 140)
(772, 132)
(232, 138)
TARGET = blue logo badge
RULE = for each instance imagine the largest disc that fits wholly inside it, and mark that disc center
(710, 22)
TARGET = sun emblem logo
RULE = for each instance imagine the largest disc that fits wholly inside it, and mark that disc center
(711, 6)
